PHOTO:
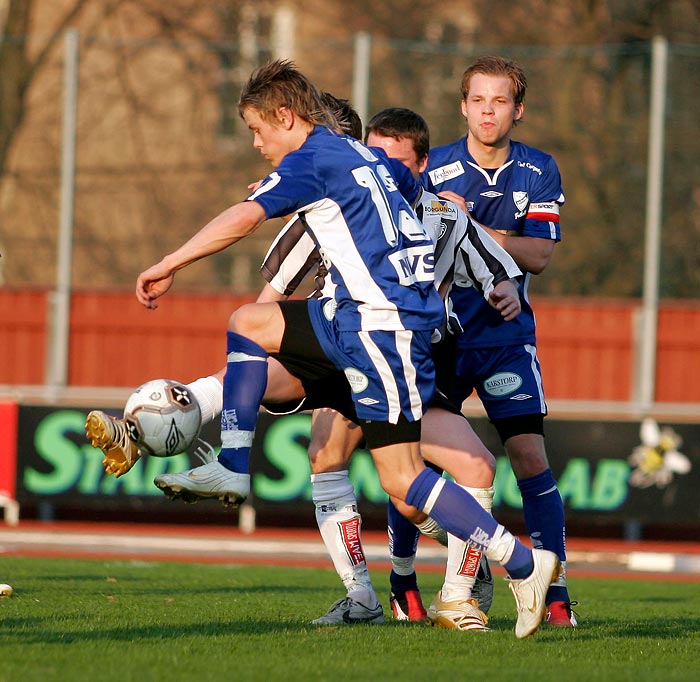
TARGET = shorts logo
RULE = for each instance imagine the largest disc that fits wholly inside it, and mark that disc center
(329, 308)
(357, 380)
(502, 383)
(368, 401)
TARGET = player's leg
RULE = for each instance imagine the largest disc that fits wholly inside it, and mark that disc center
(333, 440)
(520, 424)
(255, 330)
(449, 443)
(404, 597)
(398, 376)
(543, 508)
(403, 475)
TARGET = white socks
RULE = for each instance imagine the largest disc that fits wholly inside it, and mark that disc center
(463, 559)
(340, 525)
(209, 392)
(432, 529)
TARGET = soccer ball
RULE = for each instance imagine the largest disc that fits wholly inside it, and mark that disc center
(163, 417)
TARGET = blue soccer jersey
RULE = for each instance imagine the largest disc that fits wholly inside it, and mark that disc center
(522, 197)
(377, 253)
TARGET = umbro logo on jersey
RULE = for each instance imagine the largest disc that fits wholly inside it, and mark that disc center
(521, 396)
(491, 194)
(368, 401)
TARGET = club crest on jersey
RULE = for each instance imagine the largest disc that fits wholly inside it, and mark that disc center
(440, 175)
(502, 383)
(520, 199)
(357, 380)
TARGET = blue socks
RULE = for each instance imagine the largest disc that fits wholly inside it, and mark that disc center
(543, 510)
(460, 514)
(403, 543)
(244, 387)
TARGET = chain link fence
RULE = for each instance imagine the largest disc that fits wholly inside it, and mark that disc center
(160, 150)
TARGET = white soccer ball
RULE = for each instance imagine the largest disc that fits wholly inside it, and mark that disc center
(163, 417)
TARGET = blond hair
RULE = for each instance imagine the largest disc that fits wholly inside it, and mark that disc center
(280, 84)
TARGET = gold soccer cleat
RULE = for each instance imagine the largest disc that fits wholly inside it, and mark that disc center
(110, 435)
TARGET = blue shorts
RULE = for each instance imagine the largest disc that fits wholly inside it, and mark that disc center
(507, 380)
(390, 373)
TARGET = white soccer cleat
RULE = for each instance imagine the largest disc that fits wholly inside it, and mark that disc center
(212, 480)
(110, 434)
(463, 614)
(530, 592)
(347, 611)
(483, 585)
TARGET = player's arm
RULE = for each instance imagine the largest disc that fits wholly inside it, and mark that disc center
(455, 198)
(226, 229)
(270, 295)
(533, 244)
(505, 298)
(532, 254)
(290, 258)
(486, 263)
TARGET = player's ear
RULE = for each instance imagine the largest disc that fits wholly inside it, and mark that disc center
(423, 164)
(285, 117)
(519, 110)
(463, 107)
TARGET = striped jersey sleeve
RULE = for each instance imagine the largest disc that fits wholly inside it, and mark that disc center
(292, 256)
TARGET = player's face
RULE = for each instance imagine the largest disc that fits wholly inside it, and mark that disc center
(401, 149)
(273, 140)
(490, 109)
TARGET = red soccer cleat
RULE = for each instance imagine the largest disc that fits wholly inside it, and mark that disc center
(408, 606)
(560, 614)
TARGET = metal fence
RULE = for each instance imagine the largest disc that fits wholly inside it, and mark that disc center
(159, 149)
(127, 147)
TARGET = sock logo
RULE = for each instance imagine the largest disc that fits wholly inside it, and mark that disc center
(480, 538)
(350, 532)
(229, 420)
(470, 562)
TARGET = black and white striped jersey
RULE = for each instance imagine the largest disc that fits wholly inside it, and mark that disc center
(465, 254)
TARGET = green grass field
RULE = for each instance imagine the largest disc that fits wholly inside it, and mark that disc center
(97, 620)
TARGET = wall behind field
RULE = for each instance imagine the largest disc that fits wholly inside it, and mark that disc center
(586, 345)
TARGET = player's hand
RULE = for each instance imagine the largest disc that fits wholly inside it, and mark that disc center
(153, 283)
(455, 199)
(506, 300)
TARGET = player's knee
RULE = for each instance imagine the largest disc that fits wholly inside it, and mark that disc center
(239, 321)
(411, 513)
(324, 458)
(256, 322)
